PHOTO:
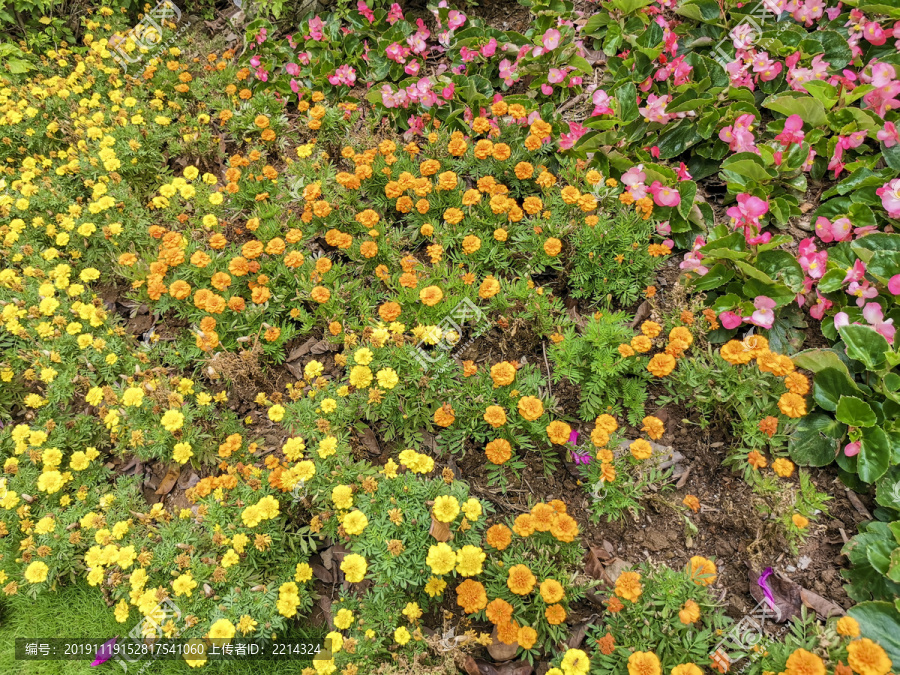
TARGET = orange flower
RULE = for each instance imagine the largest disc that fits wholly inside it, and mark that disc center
(559, 432)
(498, 451)
(692, 503)
(495, 416)
(489, 288)
(555, 614)
(756, 460)
(661, 365)
(389, 311)
(607, 644)
(614, 605)
(797, 383)
(689, 613)
(471, 596)
(783, 467)
(769, 425)
(503, 373)
(551, 591)
(867, 657)
(565, 528)
(508, 633)
(800, 521)
(320, 294)
(653, 427)
(520, 581)
(498, 536)
(499, 611)
(802, 662)
(543, 516)
(431, 295)
(530, 408)
(628, 586)
(792, 405)
(444, 416)
(702, 571)
(524, 525)
(527, 636)
(641, 449)
(644, 663)
(552, 247)
(735, 353)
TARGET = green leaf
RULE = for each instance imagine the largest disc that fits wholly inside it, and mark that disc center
(866, 345)
(630, 6)
(782, 266)
(717, 276)
(626, 95)
(705, 11)
(894, 568)
(887, 492)
(811, 110)
(823, 92)
(688, 190)
(829, 385)
(816, 440)
(874, 454)
(676, 139)
(878, 621)
(855, 412)
(832, 280)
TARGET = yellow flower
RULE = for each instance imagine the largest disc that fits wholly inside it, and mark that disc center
(575, 662)
(868, 658)
(446, 508)
(343, 619)
(182, 452)
(401, 635)
(172, 420)
(441, 558)
(36, 572)
(222, 629)
(355, 522)
(643, 663)
(276, 413)
(847, 626)
(354, 567)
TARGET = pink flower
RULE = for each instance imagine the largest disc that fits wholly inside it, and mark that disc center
(739, 136)
(546, 89)
(890, 197)
(343, 75)
(556, 75)
(839, 230)
(292, 69)
(508, 72)
(793, 131)
(600, 100)
(364, 10)
(863, 291)
(576, 131)
(852, 449)
(823, 304)
(315, 29)
(682, 172)
(412, 68)
(655, 110)
(550, 39)
(763, 317)
(489, 49)
(395, 14)
(396, 52)
(455, 19)
(748, 211)
(730, 320)
(664, 196)
(889, 135)
(894, 285)
(634, 179)
(812, 261)
(664, 229)
(303, 57)
(875, 316)
(874, 33)
(447, 92)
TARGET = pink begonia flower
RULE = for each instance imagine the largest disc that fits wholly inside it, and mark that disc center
(863, 291)
(575, 81)
(874, 33)
(255, 61)
(546, 89)
(748, 211)
(365, 11)
(489, 49)
(682, 172)
(315, 29)
(294, 85)
(763, 317)
(550, 39)
(412, 68)
(343, 75)
(447, 92)
(812, 261)
(739, 136)
(856, 272)
(508, 72)
(793, 131)
(693, 258)
(766, 68)
(730, 320)
(655, 110)
(455, 19)
(894, 285)
(664, 196)
(634, 180)
(873, 313)
(743, 36)
(839, 230)
(852, 449)
(395, 14)
(600, 99)
(664, 229)
(576, 131)
(823, 304)
(304, 58)
(396, 52)
(556, 75)
(889, 135)
(467, 54)
(292, 69)
(890, 197)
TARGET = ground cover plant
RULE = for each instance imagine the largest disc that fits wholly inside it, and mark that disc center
(550, 337)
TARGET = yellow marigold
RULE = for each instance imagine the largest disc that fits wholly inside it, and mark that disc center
(651, 329)
(792, 405)
(520, 580)
(847, 626)
(503, 373)
(735, 353)
(689, 613)
(530, 408)
(799, 520)
(661, 365)
(552, 247)
(653, 427)
(783, 467)
(495, 416)
(643, 663)
(641, 449)
(551, 591)
(802, 662)
(431, 295)
(702, 571)
(559, 432)
(628, 586)
(868, 658)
